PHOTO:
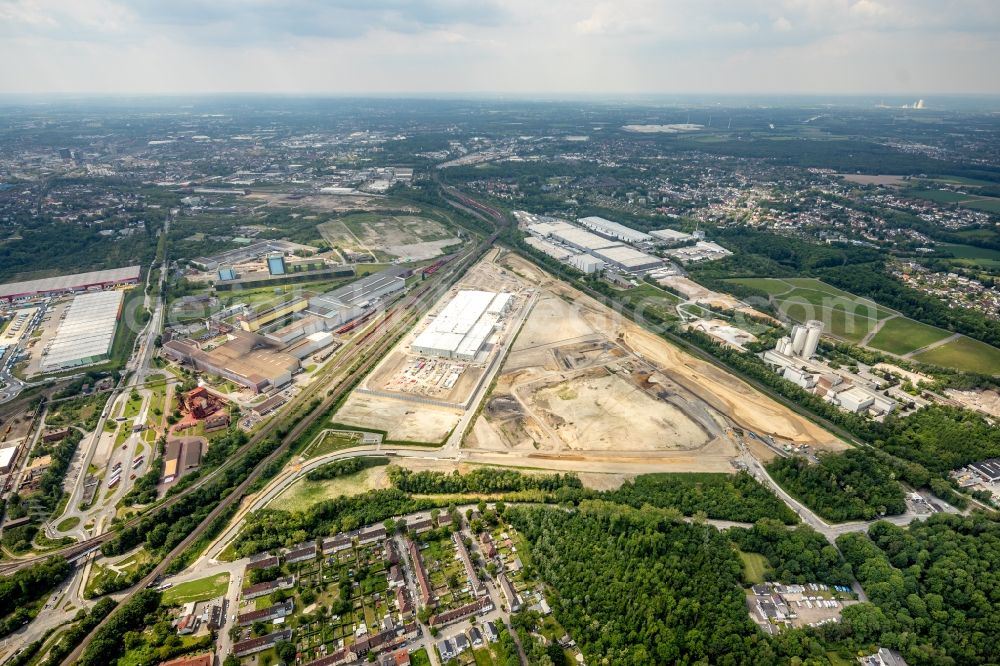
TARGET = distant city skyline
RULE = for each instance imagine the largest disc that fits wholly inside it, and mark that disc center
(892, 47)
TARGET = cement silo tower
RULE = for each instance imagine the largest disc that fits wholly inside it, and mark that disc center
(814, 329)
(798, 339)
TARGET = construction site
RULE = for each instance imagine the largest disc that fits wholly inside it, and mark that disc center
(438, 371)
(580, 378)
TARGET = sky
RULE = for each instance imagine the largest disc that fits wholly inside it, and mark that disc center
(533, 47)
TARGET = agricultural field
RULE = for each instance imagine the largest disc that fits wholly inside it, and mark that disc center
(902, 336)
(966, 200)
(843, 314)
(964, 354)
(970, 255)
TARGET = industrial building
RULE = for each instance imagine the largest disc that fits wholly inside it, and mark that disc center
(258, 320)
(227, 273)
(613, 230)
(249, 253)
(557, 252)
(462, 328)
(628, 259)
(586, 263)
(803, 340)
(87, 331)
(249, 360)
(276, 264)
(115, 277)
(350, 301)
(700, 251)
(582, 240)
(546, 229)
(180, 456)
(7, 457)
(670, 236)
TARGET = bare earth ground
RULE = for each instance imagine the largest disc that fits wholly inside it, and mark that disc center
(726, 394)
(406, 421)
(699, 294)
(608, 412)
(987, 402)
(332, 203)
(412, 237)
(872, 180)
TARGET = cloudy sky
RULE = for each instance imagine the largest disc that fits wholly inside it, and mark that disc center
(914, 47)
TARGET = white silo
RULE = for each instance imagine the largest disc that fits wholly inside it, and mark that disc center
(814, 328)
(784, 346)
(798, 339)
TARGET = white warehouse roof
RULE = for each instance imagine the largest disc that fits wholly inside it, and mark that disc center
(614, 230)
(464, 325)
(86, 333)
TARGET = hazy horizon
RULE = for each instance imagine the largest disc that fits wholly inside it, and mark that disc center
(911, 48)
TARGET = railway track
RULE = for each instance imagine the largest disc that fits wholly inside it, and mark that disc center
(371, 347)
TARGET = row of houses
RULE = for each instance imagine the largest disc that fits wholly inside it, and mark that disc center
(261, 643)
(263, 589)
(420, 573)
(477, 607)
(477, 585)
(390, 640)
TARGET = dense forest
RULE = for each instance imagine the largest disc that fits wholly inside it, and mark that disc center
(799, 555)
(841, 486)
(736, 497)
(482, 480)
(634, 587)
(937, 584)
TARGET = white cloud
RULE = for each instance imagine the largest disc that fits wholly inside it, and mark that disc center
(349, 46)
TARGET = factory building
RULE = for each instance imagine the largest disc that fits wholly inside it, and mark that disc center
(258, 320)
(546, 229)
(7, 458)
(350, 301)
(64, 284)
(628, 259)
(557, 252)
(246, 359)
(87, 331)
(462, 328)
(803, 340)
(276, 264)
(700, 251)
(670, 236)
(584, 241)
(586, 263)
(613, 230)
(227, 273)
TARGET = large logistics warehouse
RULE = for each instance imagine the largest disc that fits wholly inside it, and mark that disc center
(15, 291)
(610, 229)
(464, 326)
(582, 240)
(628, 259)
(87, 331)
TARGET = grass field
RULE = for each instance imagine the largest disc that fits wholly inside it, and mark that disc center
(970, 255)
(964, 354)
(754, 567)
(843, 314)
(966, 200)
(330, 442)
(304, 493)
(902, 336)
(197, 590)
(68, 523)
(420, 658)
